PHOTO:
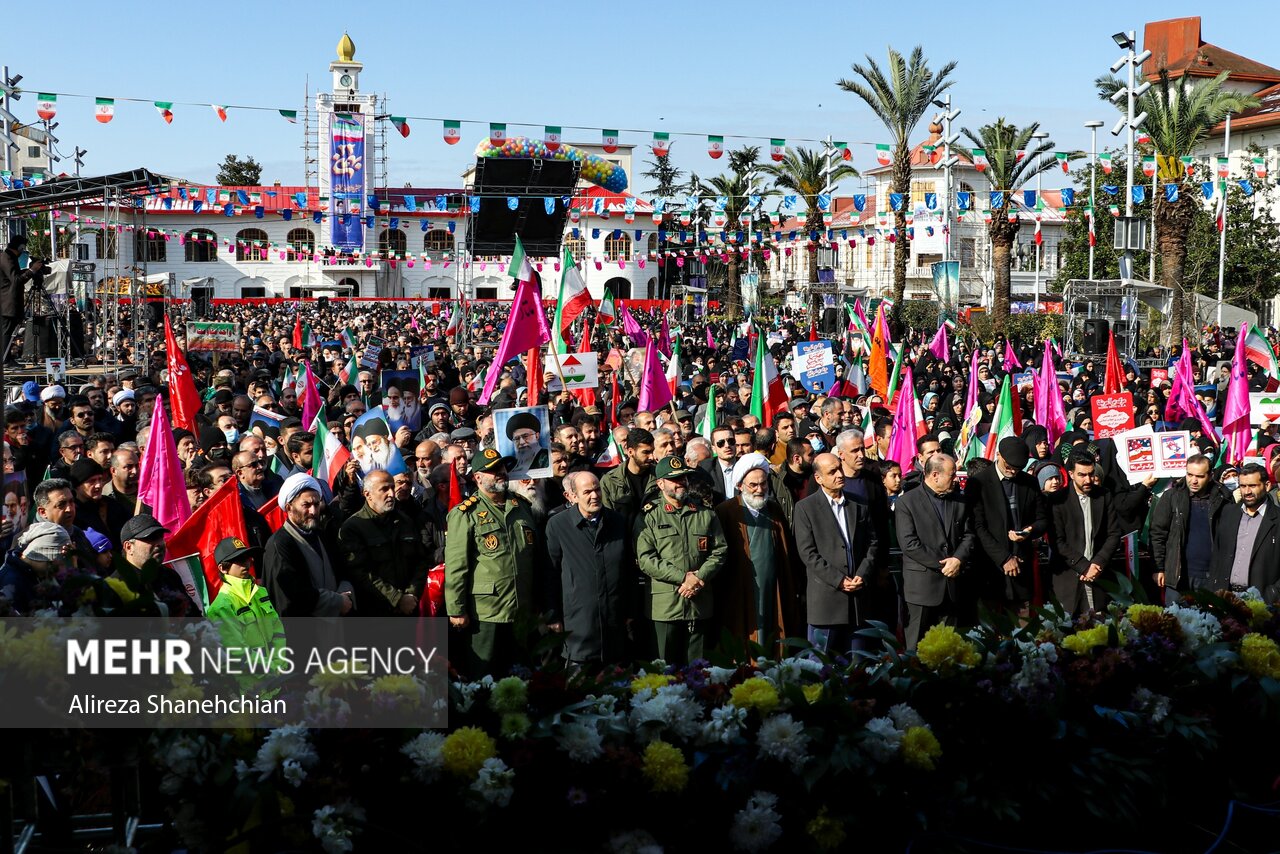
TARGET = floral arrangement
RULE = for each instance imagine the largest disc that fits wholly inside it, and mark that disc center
(1141, 711)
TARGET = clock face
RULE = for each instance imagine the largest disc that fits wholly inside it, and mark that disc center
(345, 80)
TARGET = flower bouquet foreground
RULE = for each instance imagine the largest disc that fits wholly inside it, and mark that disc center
(1136, 726)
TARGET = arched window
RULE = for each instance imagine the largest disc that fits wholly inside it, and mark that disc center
(653, 243)
(620, 288)
(350, 287)
(392, 243)
(148, 245)
(106, 244)
(302, 241)
(437, 242)
(251, 245)
(201, 245)
(617, 248)
(577, 247)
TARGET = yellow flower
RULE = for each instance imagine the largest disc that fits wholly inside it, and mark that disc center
(399, 687)
(756, 693)
(942, 648)
(509, 695)
(1260, 655)
(1137, 613)
(1086, 639)
(331, 681)
(920, 747)
(813, 693)
(664, 767)
(465, 751)
(649, 680)
(827, 833)
(1259, 613)
(514, 725)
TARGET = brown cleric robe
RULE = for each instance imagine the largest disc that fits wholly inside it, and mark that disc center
(735, 593)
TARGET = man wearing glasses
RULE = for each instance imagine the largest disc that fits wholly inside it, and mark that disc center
(720, 467)
(251, 472)
(369, 389)
(81, 420)
(70, 449)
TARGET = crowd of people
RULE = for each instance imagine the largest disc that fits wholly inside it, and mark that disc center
(648, 539)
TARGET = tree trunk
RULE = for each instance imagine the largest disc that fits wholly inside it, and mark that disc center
(815, 299)
(733, 299)
(902, 246)
(1001, 261)
(1173, 223)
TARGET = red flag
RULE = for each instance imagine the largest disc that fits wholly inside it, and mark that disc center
(184, 400)
(1113, 382)
(455, 487)
(813, 331)
(221, 516)
(533, 371)
(275, 515)
(297, 332)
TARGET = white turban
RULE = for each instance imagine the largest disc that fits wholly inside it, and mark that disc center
(51, 392)
(294, 484)
(753, 460)
(121, 396)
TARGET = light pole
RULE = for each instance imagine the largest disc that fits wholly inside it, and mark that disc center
(1038, 136)
(1130, 93)
(1093, 186)
(948, 162)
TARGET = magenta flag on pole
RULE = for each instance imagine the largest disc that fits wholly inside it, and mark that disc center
(971, 400)
(664, 338)
(711, 342)
(312, 403)
(655, 392)
(862, 315)
(1048, 410)
(527, 328)
(1173, 406)
(902, 441)
(1010, 358)
(633, 330)
(940, 349)
(1237, 430)
(161, 485)
(1182, 398)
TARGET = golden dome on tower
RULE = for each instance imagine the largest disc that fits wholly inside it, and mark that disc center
(346, 49)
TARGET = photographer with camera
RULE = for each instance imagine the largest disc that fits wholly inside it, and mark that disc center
(13, 281)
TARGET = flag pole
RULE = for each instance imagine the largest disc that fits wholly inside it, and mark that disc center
(1222, 235)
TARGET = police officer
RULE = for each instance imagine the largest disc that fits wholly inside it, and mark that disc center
(491, 552)
(382, 543)
(681, 548)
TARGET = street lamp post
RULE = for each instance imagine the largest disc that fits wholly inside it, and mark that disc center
(1093, 186)
(1040, 135)
(948, 162)
(1131, 92)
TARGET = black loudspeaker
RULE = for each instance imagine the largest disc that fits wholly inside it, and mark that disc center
(830, 321)
(1096, 333)
(322, 303)
(513, 195)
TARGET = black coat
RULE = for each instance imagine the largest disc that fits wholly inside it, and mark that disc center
(1264, 562)
(13, 282)
(926, 539)
(821, 548)
(992, 524)
(588, 592)
(1169, 520)
(715, 473)
(1069, 560)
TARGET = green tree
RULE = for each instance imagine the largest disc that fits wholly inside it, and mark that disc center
(899, 99)
(1008, 173)
(805, 172)
(667, 176)
(734, 187)
(237, 172)
(1074, 246)
(1251, 269)
(1180, 115)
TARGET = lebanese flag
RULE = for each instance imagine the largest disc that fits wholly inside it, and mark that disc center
(768, 397)
(221, 516)
(573, 300)
(330, 454)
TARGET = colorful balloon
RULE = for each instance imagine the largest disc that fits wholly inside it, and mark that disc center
(595, 169)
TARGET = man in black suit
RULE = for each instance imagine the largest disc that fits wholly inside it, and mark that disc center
(720, 467)
(1086, 533)
(935, 534)
(1246, 554)
(837, 544)
(1009, 516)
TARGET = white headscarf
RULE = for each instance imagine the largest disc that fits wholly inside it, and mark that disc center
(294, 484)
(753, 460)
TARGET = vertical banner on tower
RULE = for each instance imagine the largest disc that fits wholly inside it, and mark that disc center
(346, 181)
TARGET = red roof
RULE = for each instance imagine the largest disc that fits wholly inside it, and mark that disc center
(615, 203)
(1265, 114)
(1176, 45)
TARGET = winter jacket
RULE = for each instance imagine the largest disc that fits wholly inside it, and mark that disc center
(1169, 522)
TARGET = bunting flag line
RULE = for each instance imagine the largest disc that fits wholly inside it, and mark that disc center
(883, 154)
(452, 131)
(104, 109)
(165, 109)
(46, 106)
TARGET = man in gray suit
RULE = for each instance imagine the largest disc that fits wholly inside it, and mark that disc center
(935, 534)
(837, 543)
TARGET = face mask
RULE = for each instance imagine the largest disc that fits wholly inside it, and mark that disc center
(233, 435)
(818, 444)
(24, 259)
(1231, 483)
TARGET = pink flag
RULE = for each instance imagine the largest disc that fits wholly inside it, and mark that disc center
(664, 338)
(940, 349)
(312, 403)
(413, 323)
(1010, 358)
(972, 399)
(161, 485)
(882, 326)
(633, 330)
(857, 309)
(655, 393)
(1237, 430)
(902, 442)
(1182, 398)
(1048, 411)
(711, 342)
(527, 328)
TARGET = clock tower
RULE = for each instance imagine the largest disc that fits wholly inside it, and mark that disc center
(346, 146)
(345, 70)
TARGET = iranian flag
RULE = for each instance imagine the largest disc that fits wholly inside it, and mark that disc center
(708, 425)
(401, 124)
(497, 134)
(290, 116)
(331, 455)
(455, 322)
(715, 146)
(477, 382)
(1104, 160)
(104, 109)
(1061, 157)
(1257, 349)
(768, 397)
(349, 337)
(219, 111)
(551, 137)
(349, 371)
(884, 155)
(1093, 237)
(1149, 165)
(1259, 168)
(661, 144)
(302, 336)
(843, 149)
(1038, 236)
(46, 106)
(1220, 215)
(611, 456)
(1002, 420)
(980, 161)
(573, 299)
(609, 141)
(777, 150)
(1224, 168)
(452, 132)
(606, 312)
(165, 108)
(1188, 164)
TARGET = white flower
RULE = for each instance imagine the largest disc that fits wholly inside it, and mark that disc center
(581, 741)
(904, 717)
(634, 842)
(883, 740)
(289, 749)
(756, 826)
(494, 782)
(1199, 628)
(725, 724)
(329, 827)
(425, 752)
(1156, 705)
(720, 675)
(182, 758)
(671, 707)
(1037, 663)
(1253, 594)
(783, 738)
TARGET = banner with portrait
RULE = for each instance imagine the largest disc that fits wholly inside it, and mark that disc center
(524, 434)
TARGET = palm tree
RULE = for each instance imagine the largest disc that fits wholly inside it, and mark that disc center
(805, 173)
(735, 188)
(1003, 142)
(1180, 115)
(899, 99)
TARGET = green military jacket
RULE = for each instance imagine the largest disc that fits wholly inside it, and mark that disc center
(390, 552)
(616, 493)
(490, 556)
(673, 541)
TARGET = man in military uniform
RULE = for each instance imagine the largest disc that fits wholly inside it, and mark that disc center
(681, 548)
(525, 432)
(382, 545)
(491, 553)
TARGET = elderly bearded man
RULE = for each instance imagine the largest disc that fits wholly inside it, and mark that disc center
(299, 575)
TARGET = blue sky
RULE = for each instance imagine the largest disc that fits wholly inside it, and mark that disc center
(748, 68)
